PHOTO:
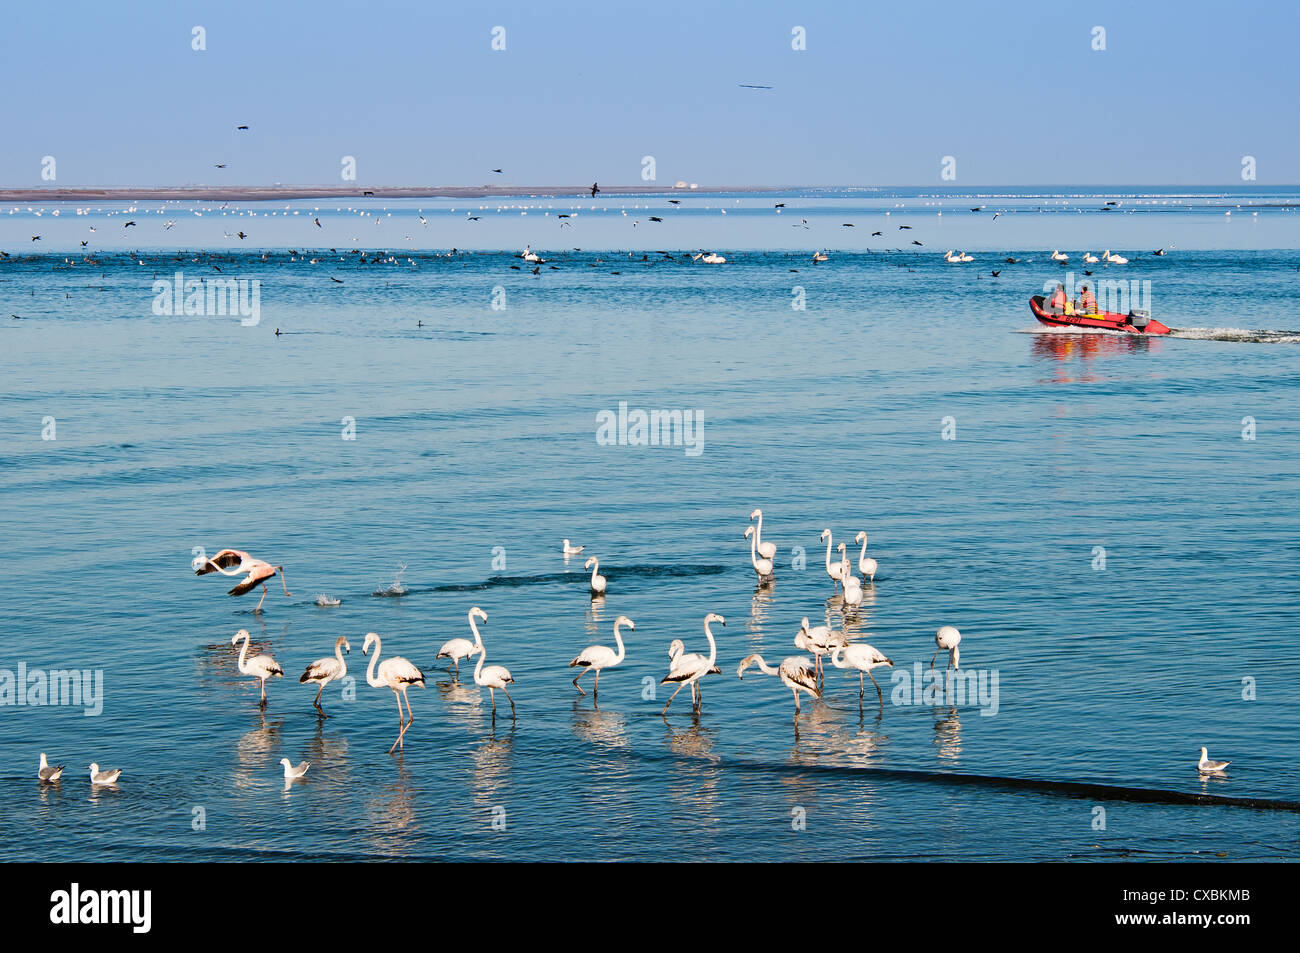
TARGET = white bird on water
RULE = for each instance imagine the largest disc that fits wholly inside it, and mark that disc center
(1057, 256)
(766, 550)
(832, 569)
(819, 641)
(852, 585)
(293, 772)
(49, 772)
(796, 673)
(260, 667)
(234, 562)
(597, 657)
(687, 668)
(398, 674)
(947, 639)
(864, 658)
(597, 580)
(325, 670)
(1114, 259)
(1206, 766)
(457, 649)
(109, 776)
(493, 676)
(761, 566)
(572, 550)
(866, 565)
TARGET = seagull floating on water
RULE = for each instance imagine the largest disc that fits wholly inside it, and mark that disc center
(109, 776)
(1206, 766)
(292, 772)
(49, 772)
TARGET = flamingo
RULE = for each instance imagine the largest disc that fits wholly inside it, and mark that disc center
(761, 566)
(864, 658)
(234, 562)
(597, 580)
(492, 677)
(818, 641)
(866, 565)
(1206, 766)
(572, 550)
(846, 569)
(689, 668)
(292, 772)
(49, 772)
(457, 649)
(852, 588)
(596, 657)
(396, 673)
(1057, 256)
(796, 673)
(260, 667)
(107, 776)
(766, 550)
(325, 670)
(947, 639)
(832, 569)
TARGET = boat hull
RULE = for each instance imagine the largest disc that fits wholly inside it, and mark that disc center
(1104, 321)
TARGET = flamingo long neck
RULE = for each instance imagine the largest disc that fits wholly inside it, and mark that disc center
(956, 654)
(829, 540)
(338, 654)
(477, 639)
(763, 666)
(713, 646)
(837, 657)
(595, 568)
(618, 640)
(862, 556)
(753, 549)
(478, 669)
(371, 680)
(243, 653)
(758, 533)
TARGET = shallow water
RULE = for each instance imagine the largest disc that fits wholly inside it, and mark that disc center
(475, 440)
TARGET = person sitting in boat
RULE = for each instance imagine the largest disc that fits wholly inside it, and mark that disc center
(1087, 303)
(1058, 300)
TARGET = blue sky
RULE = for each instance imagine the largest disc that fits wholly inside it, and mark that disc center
(584, 90)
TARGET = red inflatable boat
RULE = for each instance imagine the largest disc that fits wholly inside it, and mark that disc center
(1135, 322)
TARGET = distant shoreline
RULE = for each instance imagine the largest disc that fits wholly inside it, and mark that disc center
(254, 193)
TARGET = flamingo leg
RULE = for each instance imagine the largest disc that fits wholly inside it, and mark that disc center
(320, 688)
(575, 681)
(400, 722)
(933, 657)
(283, 581)
(674, 695)
(263, 599)
(796, 702)
(512, 702)
(880, 696)
(262, 703)
(596, 690)
(493, 692)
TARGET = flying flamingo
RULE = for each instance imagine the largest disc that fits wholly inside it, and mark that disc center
(234, 562)
(866, 565)
(260, 667)
(864, 658)
(597, 580)
(796, 673)
(689, 668)
(766, 550)
(325, 670)
(494, 676)
(832, 569)
(596, 657)
(457, 649)
(398, 674)
(947, 639)
(761, 566)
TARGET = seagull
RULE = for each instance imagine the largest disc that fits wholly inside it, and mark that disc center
(325, 670)
(1206, 766)
(901, 227)
(234, 562)
(294, 772)
(98, 777)
(679, 202)
(241, 235)
(49, 772)
(597, 657)
(915, 242)
(221, 165)
(572, 550)
(128, 224)
(458, 648)
(874, 234)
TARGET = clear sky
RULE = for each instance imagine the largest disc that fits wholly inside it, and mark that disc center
(414, 91)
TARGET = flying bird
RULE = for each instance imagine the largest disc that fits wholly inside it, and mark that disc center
(241, 127)
(752, 86)
(595, 187)
(128, 224)
(496, 170)
(234, 562)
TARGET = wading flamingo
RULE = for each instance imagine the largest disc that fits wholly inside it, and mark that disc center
(796, 673)
(325, 670)
(864, 658)
(234, 562)
(761, 566)
(689, 668)
(866, 565)
(457, 649)
(492, 677)
(947, 639)
(396, 673)
(597, 580)
(260, 667)
(832, 569)
(596, 657)
(819, 641)
(766, 550)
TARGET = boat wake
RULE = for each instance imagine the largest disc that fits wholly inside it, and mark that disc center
(1235, 335)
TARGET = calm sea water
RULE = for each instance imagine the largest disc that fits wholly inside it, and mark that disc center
(475, 441)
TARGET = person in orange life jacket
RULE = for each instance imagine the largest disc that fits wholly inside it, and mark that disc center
(1057, 300)
(1087, 301)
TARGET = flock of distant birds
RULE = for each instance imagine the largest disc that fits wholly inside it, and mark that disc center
(801, 674)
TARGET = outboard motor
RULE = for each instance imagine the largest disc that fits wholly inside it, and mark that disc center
(1139, 318)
